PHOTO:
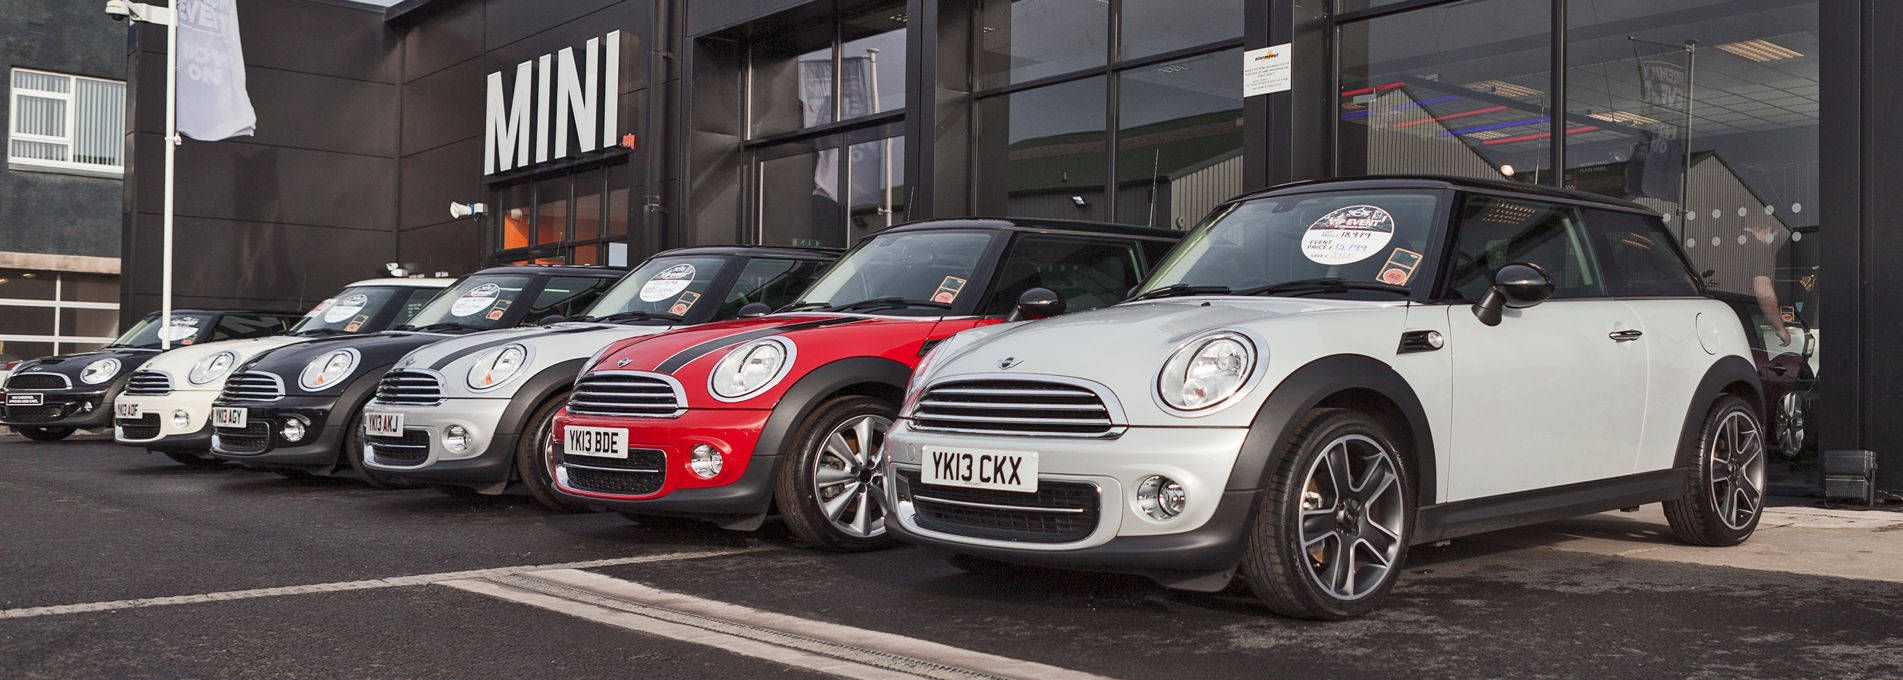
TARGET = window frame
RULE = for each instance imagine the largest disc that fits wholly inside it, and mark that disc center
(71, 140)
(59, 339)
(1448, 293)
(561, 251)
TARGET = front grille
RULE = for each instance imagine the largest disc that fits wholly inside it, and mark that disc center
(149, 384)
(410, 387)
(255, 437)
(1013, 407)
(146, 427)
(412, 448)
(619, 393)
(34, 414)
(1058, 512)
(38, 381)
(640, 474)
(254, 386)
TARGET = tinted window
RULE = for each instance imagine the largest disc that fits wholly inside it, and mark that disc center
(1494, 232)
(478, 302)
(184, 329)
(246, 326)
(1088, 272)
(661, 285)
(774, 283)
(417, 298)
(932, 266)
(1350, 235)
(567, 296)
(1636, 255)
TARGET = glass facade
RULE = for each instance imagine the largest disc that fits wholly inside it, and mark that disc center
(563, 219)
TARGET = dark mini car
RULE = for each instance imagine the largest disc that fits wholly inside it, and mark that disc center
(49, 399)
(295, 409)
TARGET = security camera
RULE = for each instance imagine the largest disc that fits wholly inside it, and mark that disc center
(462, 210)
(118, 10)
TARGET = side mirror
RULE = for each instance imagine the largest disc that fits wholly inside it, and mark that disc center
(1040, 303)
(552, 319)
(1518, 285)
(754, 310)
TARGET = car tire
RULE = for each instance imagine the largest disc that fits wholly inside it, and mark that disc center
(353, 452)
(825, 489)
(1724, 496)
(1796, 433)
(532, 457)
(45, 434)
(1319, 549)
(197, 460)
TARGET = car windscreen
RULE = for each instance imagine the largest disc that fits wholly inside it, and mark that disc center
(479, 302)
(919, 273)
(350, 310)
(1298, 243)
(184, 329)
(663, 288)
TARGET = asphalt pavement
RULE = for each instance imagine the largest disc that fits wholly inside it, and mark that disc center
(117, 563)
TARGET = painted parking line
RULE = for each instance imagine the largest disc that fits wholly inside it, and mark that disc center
(802, 643)
(366, 584)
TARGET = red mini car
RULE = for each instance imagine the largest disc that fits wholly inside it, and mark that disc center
(729, 421)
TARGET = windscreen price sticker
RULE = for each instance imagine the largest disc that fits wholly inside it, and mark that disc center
(476, 299)
(669, 283)
(180, 328)
(1348, 235)
(948, 290)
(346, 308)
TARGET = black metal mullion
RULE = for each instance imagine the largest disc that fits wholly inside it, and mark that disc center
(1556, 99)
(1389, 9)
(1112, 84)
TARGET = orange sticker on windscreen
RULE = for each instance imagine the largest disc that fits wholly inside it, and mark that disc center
(948, 290)
(1400, 267)
(683, 303)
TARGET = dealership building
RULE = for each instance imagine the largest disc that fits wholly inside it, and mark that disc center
(596, 131)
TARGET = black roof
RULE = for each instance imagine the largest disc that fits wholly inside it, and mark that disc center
(554, 270)
(798, 252)
(194, 310)
(1036, 224)
(1450, 182)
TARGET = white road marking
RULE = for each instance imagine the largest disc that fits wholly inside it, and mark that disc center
(802, 643)
(368, 584)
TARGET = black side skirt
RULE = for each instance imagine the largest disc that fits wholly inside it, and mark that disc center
(1481, 515)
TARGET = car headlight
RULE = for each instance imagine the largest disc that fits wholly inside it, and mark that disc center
(750, 368)
(327, 370)
(1206, 371)
(497, 367)
(211, 368)
(99, 371)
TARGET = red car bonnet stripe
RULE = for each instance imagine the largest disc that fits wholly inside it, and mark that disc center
(687, 356)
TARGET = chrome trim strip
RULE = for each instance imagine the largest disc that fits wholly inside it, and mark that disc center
(680, 394)
(657, 471)
(1112, 407)
(1013, 508)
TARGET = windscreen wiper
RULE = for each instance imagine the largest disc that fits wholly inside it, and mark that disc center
(630, 316)
(802, 304)
(1180, 290)
(1323, 285)
(319, 332)
(881, 302)
(443, 326)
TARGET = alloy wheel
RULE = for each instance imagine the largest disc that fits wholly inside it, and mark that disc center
(846, 476)
(1353, 517)
(1790, 424)
(1736, 453)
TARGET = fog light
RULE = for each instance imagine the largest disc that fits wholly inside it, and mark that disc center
(181, 419)
(456, 438)
(1160, 497)
(706, 463)
(293, 429)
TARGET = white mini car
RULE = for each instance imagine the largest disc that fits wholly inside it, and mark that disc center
(1324, 374)
(166, 405)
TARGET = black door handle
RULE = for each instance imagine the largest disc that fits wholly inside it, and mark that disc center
(1625, 335)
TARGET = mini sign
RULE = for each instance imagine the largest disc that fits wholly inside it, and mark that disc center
(585, 98)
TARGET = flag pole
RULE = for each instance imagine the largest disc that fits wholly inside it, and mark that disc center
(171, 149)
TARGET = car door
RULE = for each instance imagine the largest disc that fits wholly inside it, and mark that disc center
(1554, 394)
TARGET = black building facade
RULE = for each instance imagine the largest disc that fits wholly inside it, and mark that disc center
(595, 131)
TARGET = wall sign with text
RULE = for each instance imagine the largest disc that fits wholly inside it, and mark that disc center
(566, 94)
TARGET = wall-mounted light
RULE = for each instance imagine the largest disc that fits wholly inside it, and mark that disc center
(396, 269)
(1079, 201)
(462, 210)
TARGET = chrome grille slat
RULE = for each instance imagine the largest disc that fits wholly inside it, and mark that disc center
(1092, 407)
(149, 384)
(1028, 405)
(627, 394)
(254, 386)
(409, 386)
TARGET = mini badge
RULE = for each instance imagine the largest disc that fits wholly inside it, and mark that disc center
(684, 303)
(948, 290)
(1400, 267)
(1348, 235)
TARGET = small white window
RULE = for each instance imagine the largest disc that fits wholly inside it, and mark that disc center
(65, 123)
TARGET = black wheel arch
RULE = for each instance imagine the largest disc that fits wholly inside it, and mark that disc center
(1728, 375)
(1354, 381)
(870, 376)
(535, 392)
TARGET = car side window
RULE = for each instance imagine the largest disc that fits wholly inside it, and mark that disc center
(567, 296)
(1636, 254)
(413, 303)
(1494, 231)
(772, 282)
(1088, 272)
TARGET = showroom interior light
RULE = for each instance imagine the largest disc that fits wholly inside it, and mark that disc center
(1760, 50)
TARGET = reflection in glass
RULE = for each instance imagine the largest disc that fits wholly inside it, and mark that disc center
(551, 210)
(1179, 142)
(799, 202)
(618, 206)
(516, 216)
(1455, 89)
(872, 64)
(876, 180)
(1041, 152)
(1158, 26)
(588, 205)
(792, 82)
(1020, 40)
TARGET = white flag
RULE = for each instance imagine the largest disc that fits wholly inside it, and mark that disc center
(212, 102)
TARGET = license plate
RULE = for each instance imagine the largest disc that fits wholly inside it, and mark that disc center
(228, 416)
(980, 469)
(600, 442)
(383, 424)
(125, 410)
(26, 399)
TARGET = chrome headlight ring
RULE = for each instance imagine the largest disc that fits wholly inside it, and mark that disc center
(328, 370)
(1222, 365)
(495, 367)
(99, 371)
(211, 368)
(751, 368)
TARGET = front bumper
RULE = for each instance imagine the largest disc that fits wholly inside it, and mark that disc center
(420, 456)
(1026, 528)
(61, 408)
(260, 444)
(155, 429)
(656, 479)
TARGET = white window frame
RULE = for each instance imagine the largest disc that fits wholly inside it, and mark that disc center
(60, 340)
(70, 141)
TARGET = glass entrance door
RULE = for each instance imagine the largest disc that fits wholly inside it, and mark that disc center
(830, 190)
